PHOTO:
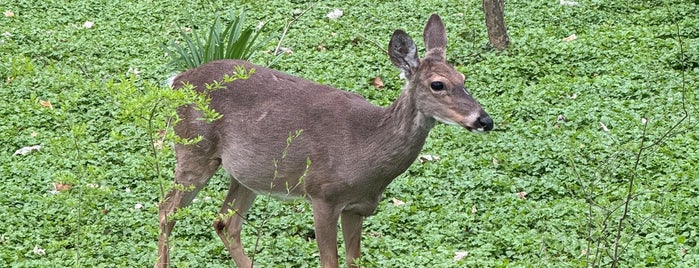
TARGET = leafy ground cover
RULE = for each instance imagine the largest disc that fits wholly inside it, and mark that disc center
(588, 98)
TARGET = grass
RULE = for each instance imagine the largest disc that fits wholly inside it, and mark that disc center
(549, 99)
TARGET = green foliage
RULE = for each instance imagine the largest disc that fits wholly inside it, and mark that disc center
(547, 97)
(228, 38)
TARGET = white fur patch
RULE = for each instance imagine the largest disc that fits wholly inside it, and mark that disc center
(171, 80)
(445, 121)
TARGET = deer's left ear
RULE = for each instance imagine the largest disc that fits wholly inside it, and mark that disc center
(403, 52)
(435, 38)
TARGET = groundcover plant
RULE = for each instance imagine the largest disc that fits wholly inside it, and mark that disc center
(593, 161)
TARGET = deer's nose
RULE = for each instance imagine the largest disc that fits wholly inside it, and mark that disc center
(486, 122)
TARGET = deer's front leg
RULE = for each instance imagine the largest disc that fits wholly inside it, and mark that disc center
(352, 233)
(325, 217)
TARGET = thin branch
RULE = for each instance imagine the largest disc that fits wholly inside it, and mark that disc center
(642, 148)
(288, 25)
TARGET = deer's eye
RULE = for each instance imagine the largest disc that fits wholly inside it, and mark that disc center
(437, 85)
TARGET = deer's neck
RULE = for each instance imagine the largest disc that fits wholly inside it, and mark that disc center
(403, 131)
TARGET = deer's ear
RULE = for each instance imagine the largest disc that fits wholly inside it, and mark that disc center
(435, 38)
(403, 52)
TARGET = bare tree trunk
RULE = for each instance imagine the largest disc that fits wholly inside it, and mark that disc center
(495, 21)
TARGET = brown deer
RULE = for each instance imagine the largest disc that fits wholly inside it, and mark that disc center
(347, 152)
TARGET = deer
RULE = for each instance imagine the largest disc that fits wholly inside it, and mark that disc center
(345, 152)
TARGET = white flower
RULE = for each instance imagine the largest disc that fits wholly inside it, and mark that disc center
(138, 206)
(88, 24)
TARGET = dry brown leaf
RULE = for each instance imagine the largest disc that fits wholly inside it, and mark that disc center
(62, 187)
(397, 202)
(474, 209)
(459, 255)
(9, 13)
(26, 150)
(46, 103)
(522, 195)
(568, 3)
(570, 38)
(428, 158)
(377, 82)
(286, 50)
(562, 118)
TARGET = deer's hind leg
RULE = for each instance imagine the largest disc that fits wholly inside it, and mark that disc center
(229, 223)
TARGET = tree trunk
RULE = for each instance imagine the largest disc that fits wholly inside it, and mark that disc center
(495, 21)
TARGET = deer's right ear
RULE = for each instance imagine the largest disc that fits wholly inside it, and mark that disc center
(403, 52)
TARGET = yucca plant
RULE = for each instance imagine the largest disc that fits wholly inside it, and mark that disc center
(227, 39)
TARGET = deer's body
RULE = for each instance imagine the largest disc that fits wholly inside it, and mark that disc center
(257, 122)
(355, 149)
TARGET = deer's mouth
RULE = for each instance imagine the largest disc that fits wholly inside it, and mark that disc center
(478, 123)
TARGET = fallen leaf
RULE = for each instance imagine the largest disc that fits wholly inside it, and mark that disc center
(9, 13)
(27, 150)
(46, 103)
(428, 158)
(377, 82)
(397, 202)
(334, 14)
(285, 50)
(568, 3)
(496, 162)
(138, 206)
(603, 127)
(459, 255)
(158, 144)
(135, 71)
(562, 118)
(321, 47)
(522, 195)
(474, 209)
(570, 38)
(62, 187)
(39, 251)
(583, 253)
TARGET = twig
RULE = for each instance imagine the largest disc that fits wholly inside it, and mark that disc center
(642, 148)
(288, 25)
